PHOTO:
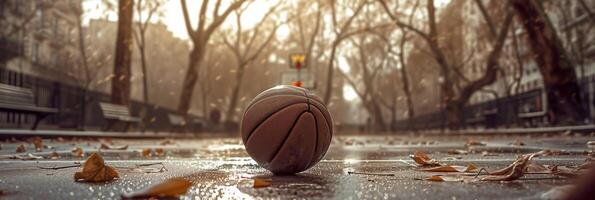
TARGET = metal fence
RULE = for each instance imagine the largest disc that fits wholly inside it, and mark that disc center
(69, 100)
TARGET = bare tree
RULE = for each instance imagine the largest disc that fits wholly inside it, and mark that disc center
(200, 37)
(151, 8)
(246, 50)
(342, 31)
(122, 62)
(560, 80)
(454, 102)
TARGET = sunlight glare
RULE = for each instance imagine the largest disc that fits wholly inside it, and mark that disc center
(349, 93)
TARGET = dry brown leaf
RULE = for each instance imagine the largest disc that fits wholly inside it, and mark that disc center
(260, 183)
(159, 152)
(518, 142)
(78, 152)
(565, 171)
(146, 152)
(167, 142)
(513, 171)
(21, 148)
(169, 189)
(38, 142)
(486, 153)
(422, 159)
(60, 139)
(474, 143)
(451, 168)
(54, 155)
(95, 170)
(441, 178)
(105, 146)
(458, 152)
(534, 167)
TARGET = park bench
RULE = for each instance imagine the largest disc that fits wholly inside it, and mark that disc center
(22, 100)
(177, 122)
(117, 113)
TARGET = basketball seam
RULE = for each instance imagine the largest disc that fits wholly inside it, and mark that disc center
(252, 104)
(315, 143)
(328, 123)
(287, 136)
(265, 119)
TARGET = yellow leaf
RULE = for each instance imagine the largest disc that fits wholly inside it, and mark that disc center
(259, 183)
(170, 188)
(451, 168)
(515, 170)
(95, 170)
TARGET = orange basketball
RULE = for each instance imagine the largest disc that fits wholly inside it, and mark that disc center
(286, 129)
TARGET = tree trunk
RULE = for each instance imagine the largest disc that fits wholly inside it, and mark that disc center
(194, 62)
(235, 93)
(122, 61)
(560, 80)
(144, 110)
(329, 74)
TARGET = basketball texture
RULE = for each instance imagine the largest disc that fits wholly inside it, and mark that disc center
(286, 129)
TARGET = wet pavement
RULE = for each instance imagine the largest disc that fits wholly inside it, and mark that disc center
(220, 168)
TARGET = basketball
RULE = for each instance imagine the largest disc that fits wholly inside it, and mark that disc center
(286, 129)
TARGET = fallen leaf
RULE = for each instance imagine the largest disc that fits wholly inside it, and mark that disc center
(166, 142)
(60, 139)
(78, 152)
(518, 142)
(441, 178)
(486, 153)
(260, 183)
(171, 188)
(474, 143)
(513, 171)
(54, 155)
(95, 170)
(21, 148)
(564, 171)
(38, 142)
(146, 152)
(457, 152)
(105, 146)
(422, 159)
(451, 168)
(159, 152)
(534, 167)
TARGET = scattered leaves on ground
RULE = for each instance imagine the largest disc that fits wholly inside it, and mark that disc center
(422, 159)
(105, 146)
(95, 170)
(261, 182)
(171, 188)
(21, 148)
(451, 168)
(78, 152)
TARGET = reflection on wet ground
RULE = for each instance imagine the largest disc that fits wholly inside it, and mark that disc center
(221, 169)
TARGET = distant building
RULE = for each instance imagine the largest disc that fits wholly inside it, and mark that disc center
(42, 37)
